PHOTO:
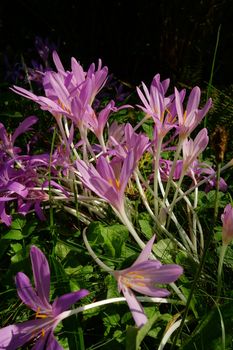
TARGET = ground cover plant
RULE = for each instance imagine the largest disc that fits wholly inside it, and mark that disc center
(119, 206)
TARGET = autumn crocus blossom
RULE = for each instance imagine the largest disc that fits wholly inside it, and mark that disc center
(47, 315)
(189, 118)
(108, 180)
(227, 221)
(192, 148)
(142, 277)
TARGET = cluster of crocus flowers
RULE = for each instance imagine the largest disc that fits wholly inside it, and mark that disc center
(47, 316)
(143, 277)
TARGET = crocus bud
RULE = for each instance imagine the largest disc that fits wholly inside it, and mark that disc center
(227, 221)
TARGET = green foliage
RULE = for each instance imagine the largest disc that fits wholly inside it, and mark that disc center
(214, 330)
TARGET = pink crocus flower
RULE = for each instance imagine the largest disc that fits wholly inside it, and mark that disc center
(158, 106)
(109, 179)
(192, 148)
(7, 140)
(227, 221)
(192, 116)
(138, 143)
(47, 316)
(154, 100)
(62, 87)
(97, 124)
(142, 277)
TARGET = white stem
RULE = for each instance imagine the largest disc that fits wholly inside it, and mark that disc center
(194, 228)
(68, 135)
(141, 122)
(178, 149)
(228, 165)
(143, 196)
(141, 244)
(156, 173)
(66, 314)
(183, 235)
(171, 207)
(102, 143)
(93, 255)
(142, 193)
(123, 217)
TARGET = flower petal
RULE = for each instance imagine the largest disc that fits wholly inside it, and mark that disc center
(65, 301)
(47, 342)
(146, 252)
(27, 294)
(14, 336)
(135, 307)
(41, 274)
(24, 126)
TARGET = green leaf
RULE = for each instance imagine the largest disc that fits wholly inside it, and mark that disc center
(13, 234)
(16, 229)
(149, 130)
(112, 238)
(146, 228)
(208, 334)
(131, 336)
(143, 331)
(164, 250)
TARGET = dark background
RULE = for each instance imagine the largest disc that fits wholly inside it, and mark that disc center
(135, 39)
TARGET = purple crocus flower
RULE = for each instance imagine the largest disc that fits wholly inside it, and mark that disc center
(63, 88)
(192, 148)
(158, 106)
(142, 277)
(7, 141)
(108, 180)
(47, 315)
(138, 143)
(192, 116)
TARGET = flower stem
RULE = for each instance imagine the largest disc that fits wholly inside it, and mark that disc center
(93, 255)
(66, 314)
(156, 171)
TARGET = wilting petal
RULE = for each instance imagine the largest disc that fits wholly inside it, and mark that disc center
(135, 307)
(65, 301)
(41, 274)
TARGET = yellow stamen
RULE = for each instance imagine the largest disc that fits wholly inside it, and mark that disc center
(118, 185)
(39, 315)
(63, 106)
(131, 278)
(43, 332)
